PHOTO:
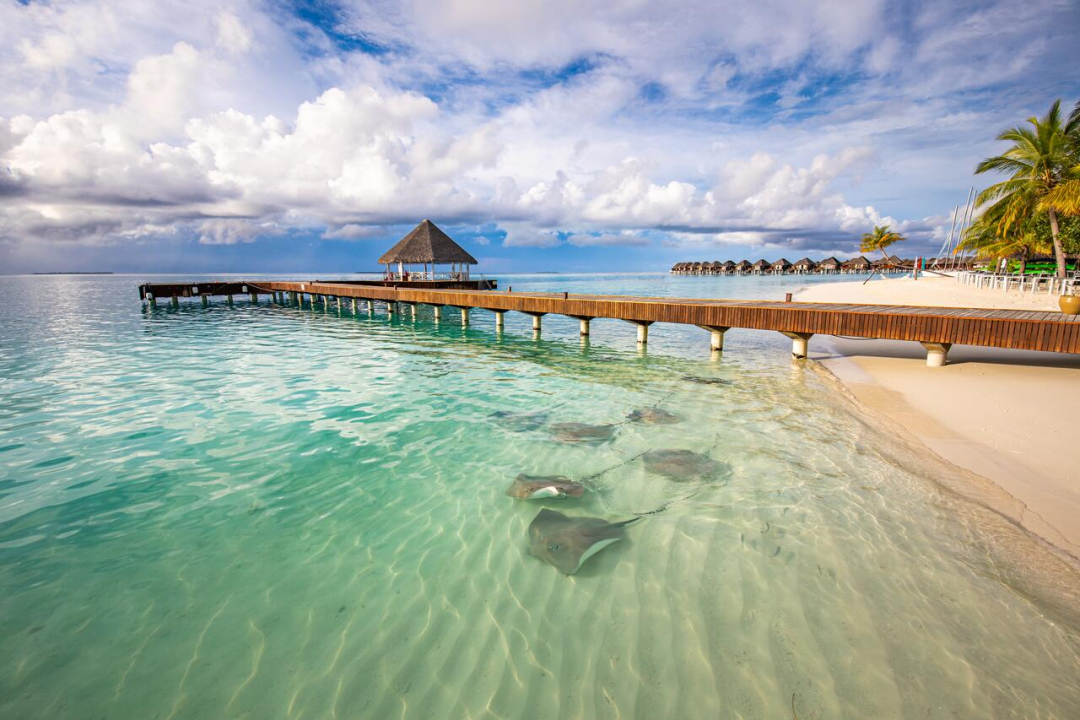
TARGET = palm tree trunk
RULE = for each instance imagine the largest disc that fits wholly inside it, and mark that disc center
(1059, 251)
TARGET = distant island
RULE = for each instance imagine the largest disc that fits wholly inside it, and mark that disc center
(91, 272)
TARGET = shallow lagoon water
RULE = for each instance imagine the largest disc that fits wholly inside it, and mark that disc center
(262, 511)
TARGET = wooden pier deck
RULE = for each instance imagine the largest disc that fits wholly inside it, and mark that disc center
(937, 328)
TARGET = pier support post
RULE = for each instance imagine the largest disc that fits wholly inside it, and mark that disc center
(339, 303)
(391, 307)
(584, 324)
(354, 306)
(500, 319)
(152, 300)
(370, 306)
(438, 312)
(292, 297)
(254, 297)
(464, 316)
(717, 332)
(228, 299)
(799, 342)
(205, 300)
(937, 354)
(642, 330)
(175, 302)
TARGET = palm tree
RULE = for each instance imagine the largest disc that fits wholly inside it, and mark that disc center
(881, 238)
(1039, 159)
(1065, 198)
(986, 241)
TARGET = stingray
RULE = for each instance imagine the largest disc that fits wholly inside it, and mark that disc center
(535, 487)
(681, 465)
(653, 416)
(566, 543)
(520, 422)
(580, 432)
(705, 381)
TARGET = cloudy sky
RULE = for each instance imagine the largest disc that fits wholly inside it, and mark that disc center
(566, 135)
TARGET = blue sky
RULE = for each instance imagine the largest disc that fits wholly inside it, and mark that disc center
(308, 136)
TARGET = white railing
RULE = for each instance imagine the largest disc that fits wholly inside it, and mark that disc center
(1051, 284)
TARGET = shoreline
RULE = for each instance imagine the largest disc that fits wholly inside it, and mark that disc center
(1003, 416)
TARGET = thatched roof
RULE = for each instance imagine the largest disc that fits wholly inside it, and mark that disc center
(763, 264)
(781, 263)
(829, 262)
(743, 265)
(805, 262)
(857, 262)
(729, 264)
(427, 244)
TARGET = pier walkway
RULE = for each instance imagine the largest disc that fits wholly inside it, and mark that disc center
(937, 328)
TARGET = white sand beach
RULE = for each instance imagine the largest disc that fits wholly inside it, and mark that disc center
(1008, 416)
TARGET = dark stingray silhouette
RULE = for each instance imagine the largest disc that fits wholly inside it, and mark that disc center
(573, 432)
(681, 465)
(653, 416)
(536, 487)
(519, 422)
(706, 381)
(566, 543)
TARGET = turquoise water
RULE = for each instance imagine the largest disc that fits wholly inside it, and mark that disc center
(264, 512)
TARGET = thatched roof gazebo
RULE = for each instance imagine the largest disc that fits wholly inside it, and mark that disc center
(428, 246)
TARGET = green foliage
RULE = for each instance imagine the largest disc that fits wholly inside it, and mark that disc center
(1041, 160)
(881, 238)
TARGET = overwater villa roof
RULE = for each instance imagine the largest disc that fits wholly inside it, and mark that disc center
(729, 264)
(779, 264)
(829, 262)
(805, 262)
(427, 244)
(761, 264)
(743, 265)
(857, 262)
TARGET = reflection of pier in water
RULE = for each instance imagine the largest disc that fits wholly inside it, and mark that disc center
(937, 328)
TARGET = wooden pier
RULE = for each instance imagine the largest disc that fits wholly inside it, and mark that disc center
(937, 328)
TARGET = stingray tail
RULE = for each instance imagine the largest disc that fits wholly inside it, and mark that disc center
(631, 521)
(594, 476)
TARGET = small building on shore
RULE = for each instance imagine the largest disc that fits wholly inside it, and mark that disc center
(418, 255)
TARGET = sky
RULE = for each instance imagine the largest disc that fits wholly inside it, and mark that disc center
(543, 135)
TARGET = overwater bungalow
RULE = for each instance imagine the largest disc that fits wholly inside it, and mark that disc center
(760, 267)
(828, 265)
(743, 267)
(716, 267)
(804, 266)
(780, 267)
(427, 247)
(729, 267)
(856, 265)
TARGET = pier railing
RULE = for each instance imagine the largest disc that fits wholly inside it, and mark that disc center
(936, 328)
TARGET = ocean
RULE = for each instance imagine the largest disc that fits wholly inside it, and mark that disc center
(264, 511)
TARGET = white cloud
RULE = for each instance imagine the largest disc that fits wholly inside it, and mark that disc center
(740, 123)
